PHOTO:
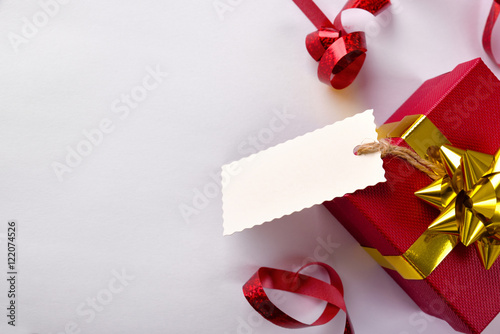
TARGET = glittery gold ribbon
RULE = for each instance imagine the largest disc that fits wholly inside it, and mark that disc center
(468, 195)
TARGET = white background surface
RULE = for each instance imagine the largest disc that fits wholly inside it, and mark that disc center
(119, 209)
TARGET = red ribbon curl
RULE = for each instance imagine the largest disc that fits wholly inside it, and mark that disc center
(488, 29)
(332, 293)
(340, 54)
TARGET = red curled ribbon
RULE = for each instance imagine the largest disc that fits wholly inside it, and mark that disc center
(488, 29)
(340, 54)
(332, 292)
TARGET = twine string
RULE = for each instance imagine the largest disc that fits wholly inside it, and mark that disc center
(432, 169)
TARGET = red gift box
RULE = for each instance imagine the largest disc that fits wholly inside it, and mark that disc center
(388, 217)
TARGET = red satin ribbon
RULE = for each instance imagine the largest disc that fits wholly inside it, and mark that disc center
(488, 29)
(332, 293)
(340, 55)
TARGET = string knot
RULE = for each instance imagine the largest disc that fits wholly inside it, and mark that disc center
(431, 166)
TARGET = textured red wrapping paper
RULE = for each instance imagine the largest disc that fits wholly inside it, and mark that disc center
(465, 105)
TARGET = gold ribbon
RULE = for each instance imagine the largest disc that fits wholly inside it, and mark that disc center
(467, 195)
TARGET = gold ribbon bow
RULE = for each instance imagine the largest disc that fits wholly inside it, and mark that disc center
(468, 197)
(467, 193)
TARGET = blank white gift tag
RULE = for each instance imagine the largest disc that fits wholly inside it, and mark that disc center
(300, 173)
